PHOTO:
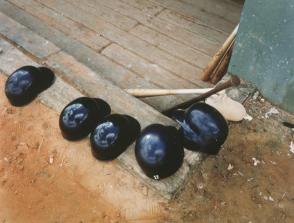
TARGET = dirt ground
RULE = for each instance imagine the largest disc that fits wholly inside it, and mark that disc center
(251, 179)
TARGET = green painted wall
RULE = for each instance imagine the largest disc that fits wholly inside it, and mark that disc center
(264, 50)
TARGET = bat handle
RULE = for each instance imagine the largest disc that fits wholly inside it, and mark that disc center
(232, 82)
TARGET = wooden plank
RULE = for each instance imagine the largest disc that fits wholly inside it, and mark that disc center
(128, 41)
(228, 11)
(108, 69)
(116, 19)
(200, 28)
(100, 64)
(206, 44)
(91, 39)
(192, 24)
(146, 69)
(208, 19)
(20, 34)
(125, 79)
(63, 24)
(60, 22)
(104, 13)
(173, 47)
(151, 72)
(146, 7)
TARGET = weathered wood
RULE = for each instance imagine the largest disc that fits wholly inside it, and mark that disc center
(147, 7)
(130, 42)
(87, 36)
(136, 45)
(184, 21)
(194, 40)
(104, 13)
(108, 69)
(197, 41)
(100, 64)
(146, 69)
(75, 30)
(227, 11)
(193, 24)
(174, 47)
(20, 34)
(210, 20)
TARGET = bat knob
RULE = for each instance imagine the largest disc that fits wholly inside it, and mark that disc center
(235, 80)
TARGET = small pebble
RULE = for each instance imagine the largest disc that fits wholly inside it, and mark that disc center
(250, 179)
(255, 161)
(230, 167)
(270, 198)
(200, 186)
(271, 111)
(51, 159)
(255, 96)
(273, 162)
(248, 118)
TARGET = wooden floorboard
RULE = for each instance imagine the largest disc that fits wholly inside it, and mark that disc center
(195, 40)
(175, 48)
(225, 10)
(210, 20)
(106, 14)
(144, 68)
(149, 30)
(102, 65)
(128, 41)
(24, 37)
(75, 30)
(193, 24)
